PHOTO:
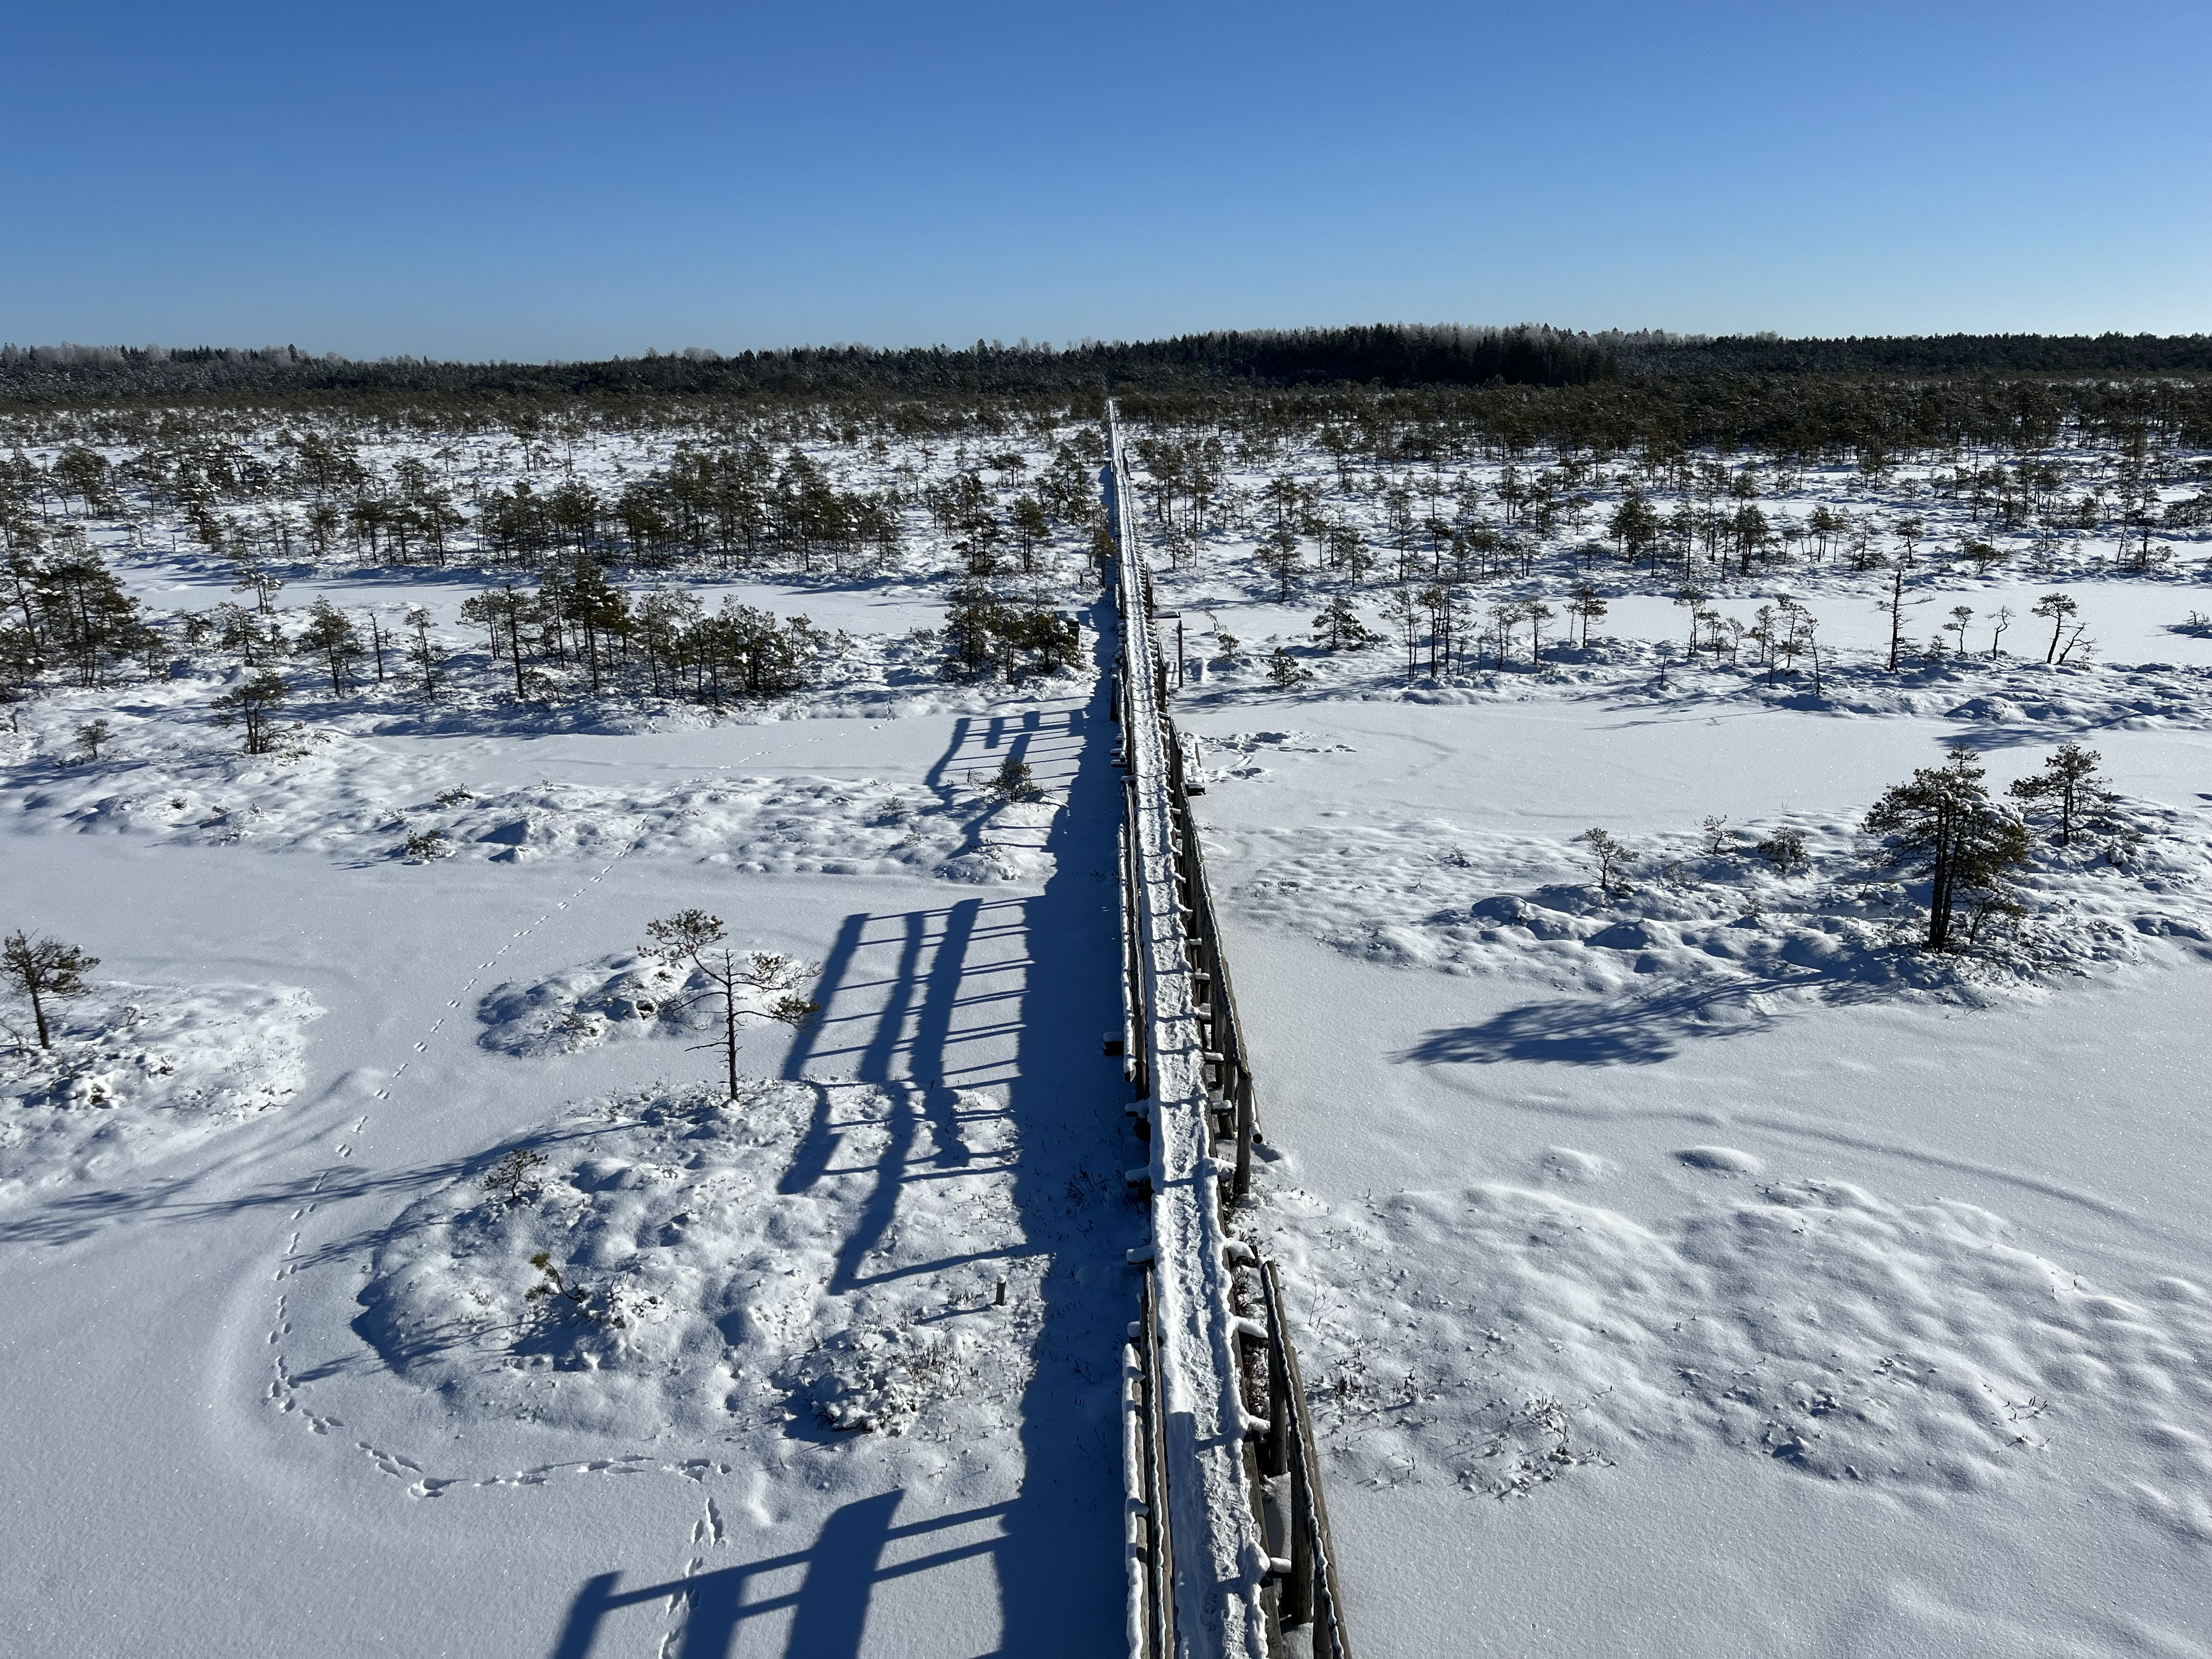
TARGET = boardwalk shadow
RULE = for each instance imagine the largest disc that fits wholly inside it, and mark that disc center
(828, 1609)
(1010, 995)
(911, 1005)
(929, 1005)
(1060, 1587)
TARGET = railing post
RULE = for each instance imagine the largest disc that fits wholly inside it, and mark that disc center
(1294, 1602)
(1159, 1571)
(1275, 1447)
(1241, 1188)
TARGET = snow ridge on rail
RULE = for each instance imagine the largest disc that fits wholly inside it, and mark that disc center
(1220, 1560)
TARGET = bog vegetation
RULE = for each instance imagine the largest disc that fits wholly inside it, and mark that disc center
(1444, 504)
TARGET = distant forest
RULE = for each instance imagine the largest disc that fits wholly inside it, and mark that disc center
(1388, 355)
(1402, 390)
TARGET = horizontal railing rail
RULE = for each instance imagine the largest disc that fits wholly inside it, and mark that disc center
(1233, 1501)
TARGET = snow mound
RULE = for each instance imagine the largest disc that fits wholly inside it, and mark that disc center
(1571, 1164)
(153, 1070)
(363, 801)
(877, 1379)
(672, 1260)
(1722, 1160)
(1811, 1324)
(616, 999)
(1711, 937)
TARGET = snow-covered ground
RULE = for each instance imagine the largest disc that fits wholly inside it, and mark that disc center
(1691, 1269)
(267, 1350)
(141, 1073)
(1697, 1268)
(286, 1365)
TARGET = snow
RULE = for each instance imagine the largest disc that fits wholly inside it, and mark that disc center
(254, 1400)
(1899, 1311)
(146, 1071)
(1691, 1270)
(1698, 1268)
(1717, 933)
(655, 1272)
(619, 997)
(209, 1315)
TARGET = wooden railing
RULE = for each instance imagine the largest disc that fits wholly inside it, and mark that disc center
(1306, 1591)
(1289, 1561)
(1152, 1601)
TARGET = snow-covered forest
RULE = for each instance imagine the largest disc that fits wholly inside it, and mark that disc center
(1720, 909)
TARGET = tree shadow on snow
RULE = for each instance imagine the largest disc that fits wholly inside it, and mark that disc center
(1640, 1031)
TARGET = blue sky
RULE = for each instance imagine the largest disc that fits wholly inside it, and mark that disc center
(566, 180)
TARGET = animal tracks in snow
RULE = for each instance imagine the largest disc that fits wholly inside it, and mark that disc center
(284, 1391)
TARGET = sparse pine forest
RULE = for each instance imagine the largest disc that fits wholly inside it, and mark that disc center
(1682, 811)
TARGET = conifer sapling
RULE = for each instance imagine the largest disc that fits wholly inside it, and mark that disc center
(43, 967)
(698, 940)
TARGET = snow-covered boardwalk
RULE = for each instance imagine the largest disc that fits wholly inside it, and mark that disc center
(1203, 1562)
(1220, 1556)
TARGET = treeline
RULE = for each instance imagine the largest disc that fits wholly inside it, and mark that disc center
(1801, 420)
(1914, 355)
(1381, 355)
(1805, 418)
(1385, 354)
(1388, 354)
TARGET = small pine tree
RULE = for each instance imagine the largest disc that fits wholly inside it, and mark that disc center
(1015, 781)
(1535, 613)
(518, 1178)
(40, 969)
(1612, 857)
(2069, 780)
(424, 654)
(695, 939)
(92, 738)
(503, 613)
(1784, 849)
(1279, 555)
(1587, 607)
(1337, 627)
(1943, 822)
(253, 705)
(2057, 609)
(330, 633)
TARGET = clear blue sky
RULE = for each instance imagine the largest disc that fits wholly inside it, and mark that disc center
(558, 179)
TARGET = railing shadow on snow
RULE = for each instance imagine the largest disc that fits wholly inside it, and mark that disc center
(828, 1609)
(915, 1002)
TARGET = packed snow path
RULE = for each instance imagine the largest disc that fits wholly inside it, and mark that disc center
(219, 1449)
